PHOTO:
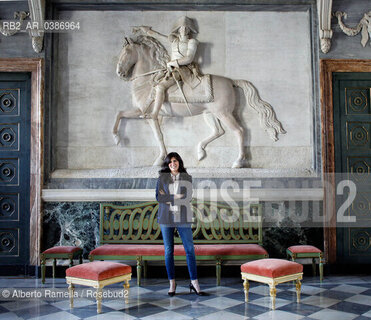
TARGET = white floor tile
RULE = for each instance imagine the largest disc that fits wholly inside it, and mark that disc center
(367, 314)
(114, 315)
(263, 290)
(319, 301)
(65, 304)
(222, 315)
(266, 302)
(359, 298)
(330, 314)
(167, 315)
(9, 316)
(171, 303)
(221, 302)
(309, 290)
(22, 304)
(350, 289)
(278, 315)
(58, 315)
(119, 304)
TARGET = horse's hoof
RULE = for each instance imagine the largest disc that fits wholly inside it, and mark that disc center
(201, 154)
(116, 138)
(239, 164)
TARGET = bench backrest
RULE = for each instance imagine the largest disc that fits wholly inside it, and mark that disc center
(212, 223)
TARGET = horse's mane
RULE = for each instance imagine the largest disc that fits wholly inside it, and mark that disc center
(157, 50)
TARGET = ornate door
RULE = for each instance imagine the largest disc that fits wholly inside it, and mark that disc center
(15, 133)
(352, 130)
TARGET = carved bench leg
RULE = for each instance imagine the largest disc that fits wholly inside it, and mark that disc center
(71, 291)
(321, 267)
(43, 263)
(99, 299)
(218, 270)
(298, 288)
(273, 292)
(54, 267)
(126, 293)
(246, 287)
(70, 256)
(139, 270)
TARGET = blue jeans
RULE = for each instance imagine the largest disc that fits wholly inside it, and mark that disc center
(187, 239)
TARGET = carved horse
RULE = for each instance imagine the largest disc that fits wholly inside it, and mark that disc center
(138, 62)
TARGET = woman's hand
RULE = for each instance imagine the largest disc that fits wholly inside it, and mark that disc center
(178, 196)
(162, 192)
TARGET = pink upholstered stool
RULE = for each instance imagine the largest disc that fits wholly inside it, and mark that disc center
(271, 272)
(98, 274)
(306, 251)
(61, 252)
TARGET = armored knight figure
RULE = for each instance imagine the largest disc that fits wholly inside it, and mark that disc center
(181, 66)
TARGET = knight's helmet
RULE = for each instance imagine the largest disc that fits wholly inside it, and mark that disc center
(184, 21)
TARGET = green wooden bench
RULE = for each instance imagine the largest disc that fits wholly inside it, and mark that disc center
(220, 232)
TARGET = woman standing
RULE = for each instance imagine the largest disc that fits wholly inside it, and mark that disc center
(174, 192)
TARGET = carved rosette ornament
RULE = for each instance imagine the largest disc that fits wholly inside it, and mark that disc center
(363, 27)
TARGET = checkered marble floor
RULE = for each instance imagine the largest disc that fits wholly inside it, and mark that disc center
(338, 298)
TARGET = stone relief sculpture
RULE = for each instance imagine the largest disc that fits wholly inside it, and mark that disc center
(173, 86)
(364, 26)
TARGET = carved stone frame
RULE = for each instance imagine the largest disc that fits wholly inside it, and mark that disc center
(327, 67)
(36, 67)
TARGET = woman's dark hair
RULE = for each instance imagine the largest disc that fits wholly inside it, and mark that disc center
(165, 165)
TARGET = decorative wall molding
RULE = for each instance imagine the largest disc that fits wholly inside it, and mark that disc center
(254, 194)
(364, 26)
(37, 14)
(324, 19)
(21, 15)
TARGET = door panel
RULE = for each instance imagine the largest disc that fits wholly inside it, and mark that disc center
(15, 133)
(352, 129)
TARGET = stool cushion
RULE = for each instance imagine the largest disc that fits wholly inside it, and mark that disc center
(158, 250)
(272, 268)
(62, 249)
(98, 270)
(304, 249)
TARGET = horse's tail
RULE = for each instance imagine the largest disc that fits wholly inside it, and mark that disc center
(267, 115)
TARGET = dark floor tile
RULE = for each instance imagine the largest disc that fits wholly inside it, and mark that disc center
(143, 310)
(88, 311)
(290, 295)
(247, 310)
(362, 318)
(241, 296)
(195, 310)
(34, 311)
(350, 307)
(367, 292)
(2, 309)
(300, 308)
(339, 295)
(193, 297)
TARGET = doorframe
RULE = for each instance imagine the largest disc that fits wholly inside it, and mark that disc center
(36, 67)
(327, 68)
